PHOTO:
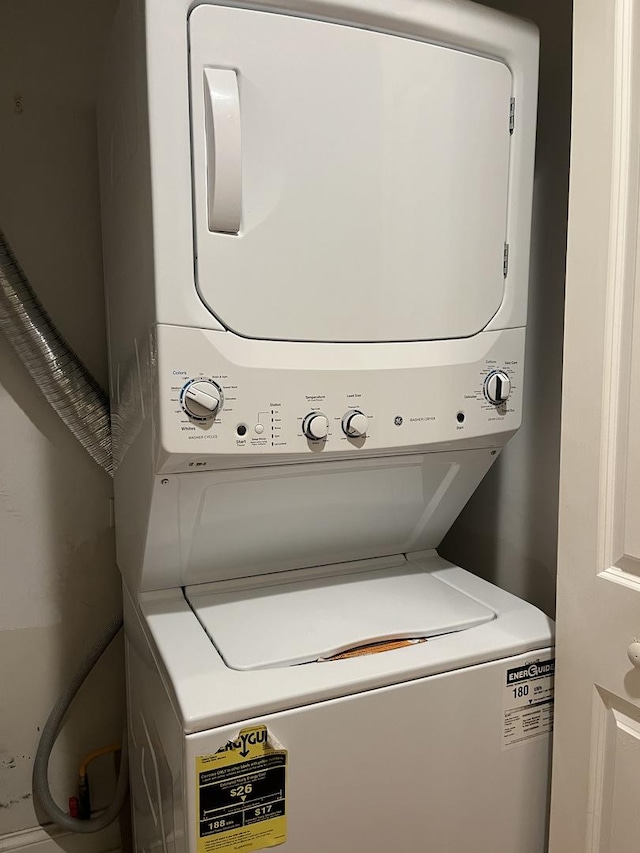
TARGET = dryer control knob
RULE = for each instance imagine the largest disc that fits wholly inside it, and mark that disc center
(315, 426)
(201, 399)
(355, 424)
(497, 387)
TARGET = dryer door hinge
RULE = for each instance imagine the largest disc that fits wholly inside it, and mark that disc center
(505, 260)
(512, 115)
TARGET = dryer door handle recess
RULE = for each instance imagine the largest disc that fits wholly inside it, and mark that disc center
(224, 152)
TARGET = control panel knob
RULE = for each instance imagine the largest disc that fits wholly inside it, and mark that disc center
(497, 387)
(355, 424)
(315, 426)
(201, 399)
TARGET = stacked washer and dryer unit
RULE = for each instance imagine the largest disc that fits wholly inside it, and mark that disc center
(316, 233)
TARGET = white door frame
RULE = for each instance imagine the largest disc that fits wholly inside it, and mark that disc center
(594, 807)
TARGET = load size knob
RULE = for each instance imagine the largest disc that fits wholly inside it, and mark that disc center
(497, 387)
(355, 424)
(201, 399)
(315, 426)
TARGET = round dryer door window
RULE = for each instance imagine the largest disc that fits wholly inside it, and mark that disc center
(349, 185)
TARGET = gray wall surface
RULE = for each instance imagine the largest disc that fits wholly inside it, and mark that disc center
(59, 582)
(507, 533)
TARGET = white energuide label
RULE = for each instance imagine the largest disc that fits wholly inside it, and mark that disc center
(528, 700)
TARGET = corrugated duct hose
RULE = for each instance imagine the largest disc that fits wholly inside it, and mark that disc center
(82, 405)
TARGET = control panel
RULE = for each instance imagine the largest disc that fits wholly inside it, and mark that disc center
(224, 396)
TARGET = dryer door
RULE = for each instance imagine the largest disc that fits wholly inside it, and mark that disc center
(348, 185)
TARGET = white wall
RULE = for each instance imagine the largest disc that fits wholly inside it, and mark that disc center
(508, 530)
(59, 583)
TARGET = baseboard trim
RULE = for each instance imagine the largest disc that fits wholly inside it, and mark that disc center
(53, 839)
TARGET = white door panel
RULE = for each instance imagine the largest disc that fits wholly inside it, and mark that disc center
(597, 736)
(369, 162)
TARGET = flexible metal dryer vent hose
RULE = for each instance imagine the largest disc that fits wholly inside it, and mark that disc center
(55, 368)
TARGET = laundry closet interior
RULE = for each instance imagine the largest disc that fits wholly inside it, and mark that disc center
(289, 669)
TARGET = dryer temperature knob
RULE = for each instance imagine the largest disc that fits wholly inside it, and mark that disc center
(315, 426)
(201, 399)
(497, 387)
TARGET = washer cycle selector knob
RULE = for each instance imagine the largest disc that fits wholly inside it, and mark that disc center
(201, 399)
(497, 387)
(355, 424)
(315, 426)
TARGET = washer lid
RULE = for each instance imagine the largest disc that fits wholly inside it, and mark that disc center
(285, 622)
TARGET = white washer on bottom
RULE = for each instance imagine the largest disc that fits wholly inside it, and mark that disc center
(441, 745)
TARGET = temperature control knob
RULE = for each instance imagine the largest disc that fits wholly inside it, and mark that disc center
(315, 426)
(497, 387)
(355, 423)
(201, 399)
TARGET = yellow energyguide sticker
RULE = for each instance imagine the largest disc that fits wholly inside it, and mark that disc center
(240, 795)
